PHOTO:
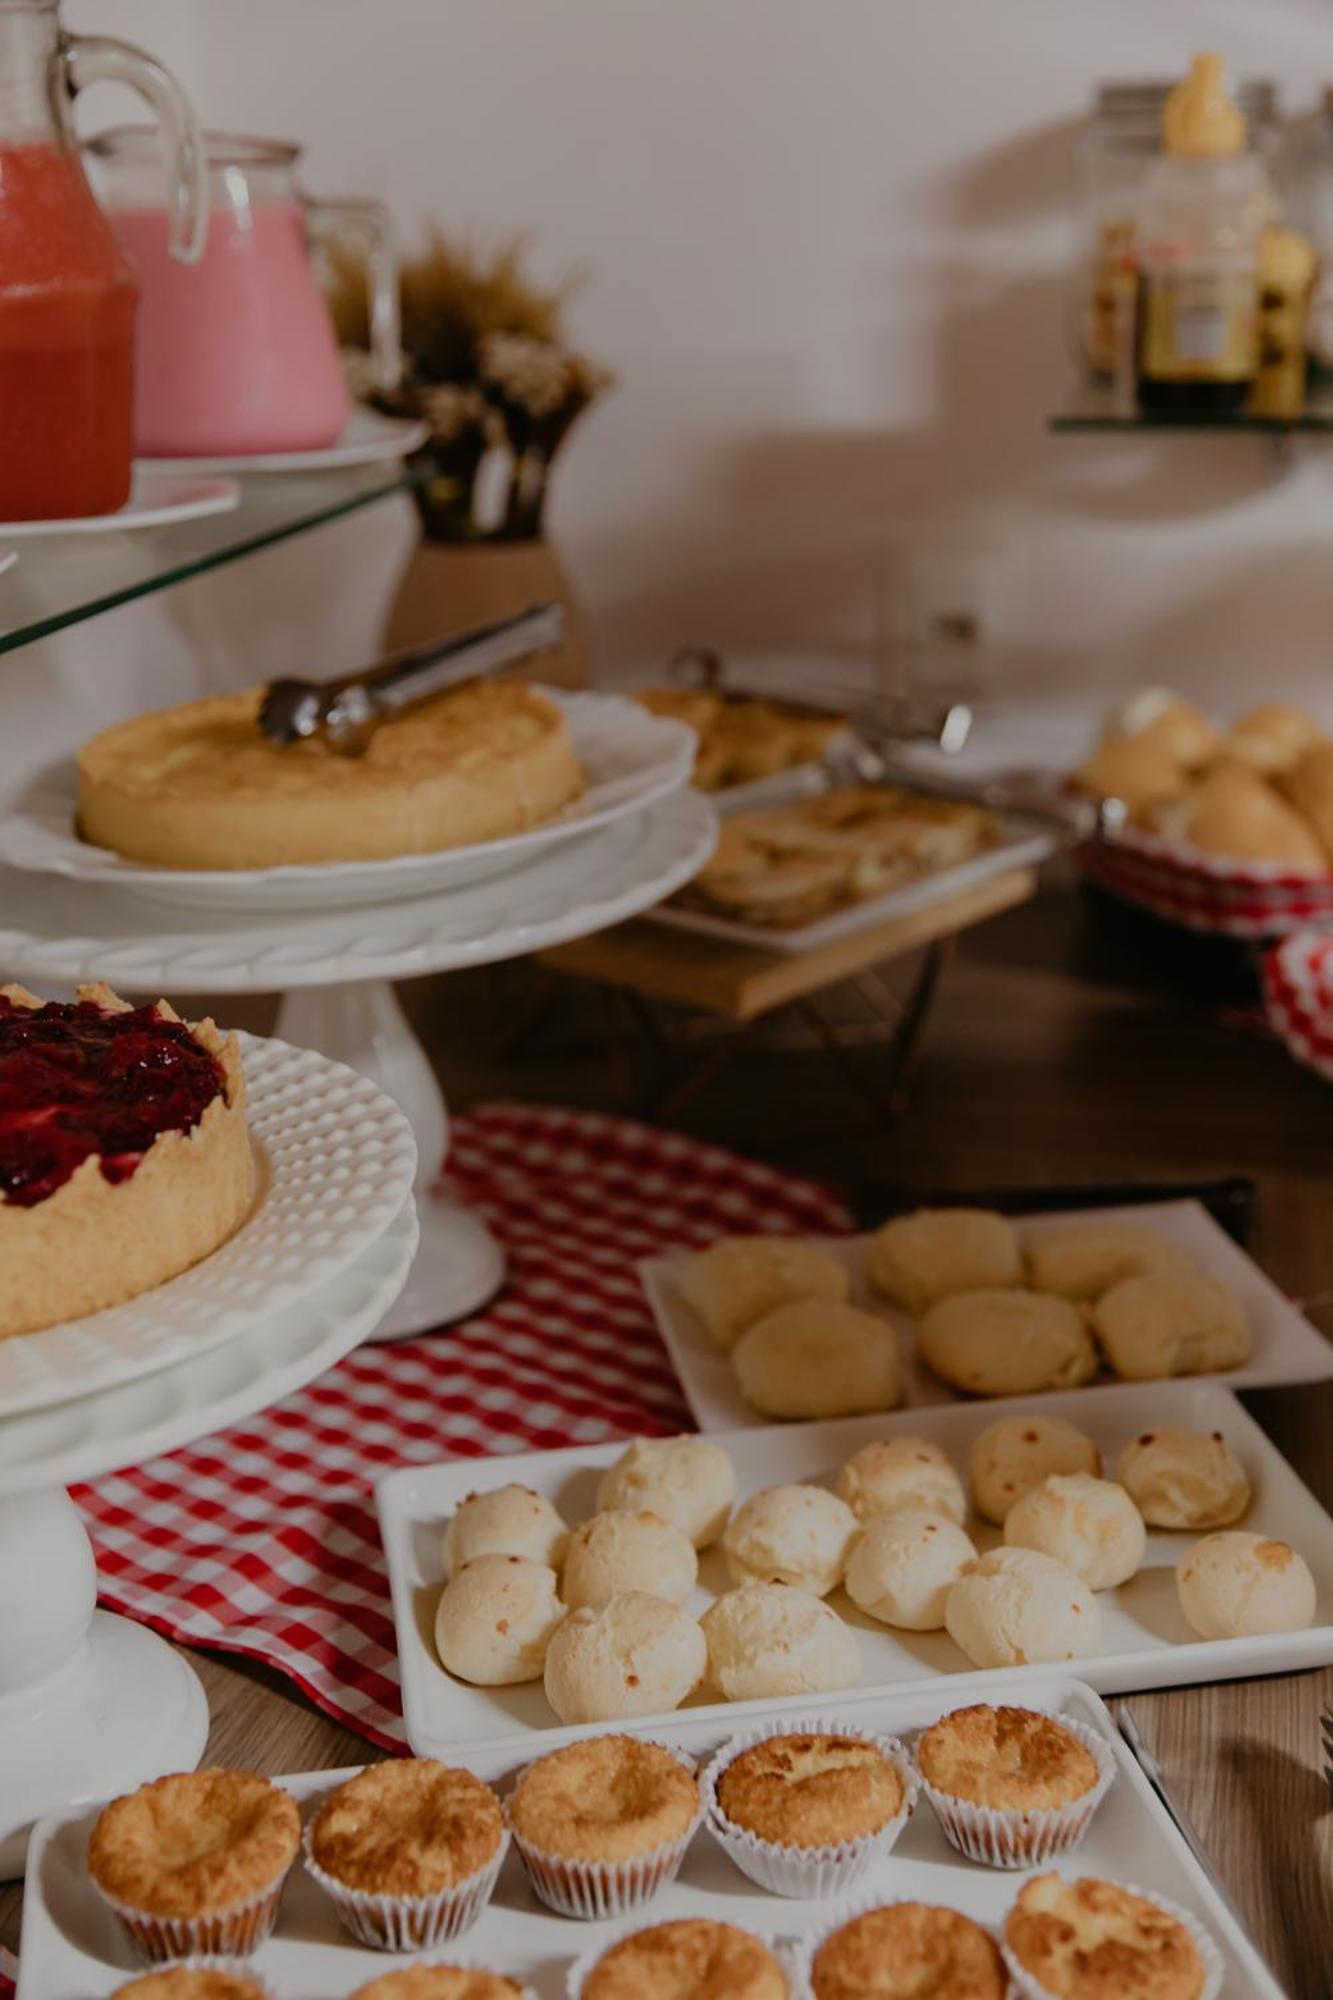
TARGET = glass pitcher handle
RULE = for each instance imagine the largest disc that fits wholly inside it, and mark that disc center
(102, 59)
(367, 224)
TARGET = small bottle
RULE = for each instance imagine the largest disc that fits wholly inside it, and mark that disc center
(1205, 201)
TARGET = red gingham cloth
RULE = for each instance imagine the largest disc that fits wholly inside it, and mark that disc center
(1298, 995)
(1208, 892)
(263, 1540)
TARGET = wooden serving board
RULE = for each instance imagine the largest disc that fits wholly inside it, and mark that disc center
(744, 982)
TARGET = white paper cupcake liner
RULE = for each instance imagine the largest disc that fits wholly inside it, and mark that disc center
(1024, 1839)
(805, 1949)
(409, 1923)
(595, 1889)
(237, 1968)
(231, 1933)
(1026, 1987)
(785, 1951)
(807, 1872)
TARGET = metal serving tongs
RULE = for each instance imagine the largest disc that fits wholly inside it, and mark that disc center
(1070, 816)
(345, 713)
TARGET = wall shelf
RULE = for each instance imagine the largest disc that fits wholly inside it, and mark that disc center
(64, 579)
(1271, 412)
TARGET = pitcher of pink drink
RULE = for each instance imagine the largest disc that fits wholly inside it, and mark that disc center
(237, 355)
(66, 288)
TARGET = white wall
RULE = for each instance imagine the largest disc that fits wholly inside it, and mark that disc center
(828, 243)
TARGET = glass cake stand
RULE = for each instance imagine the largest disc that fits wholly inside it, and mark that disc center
(334, 968)
(90, 1704)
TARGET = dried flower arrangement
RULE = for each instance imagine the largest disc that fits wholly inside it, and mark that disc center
(485, 362)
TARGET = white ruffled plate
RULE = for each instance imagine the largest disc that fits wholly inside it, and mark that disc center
(336, 1160)
(630, 760)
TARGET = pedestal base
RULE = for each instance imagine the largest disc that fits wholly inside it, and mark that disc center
(459, 1265)
(126, 1709)
(459, 1268)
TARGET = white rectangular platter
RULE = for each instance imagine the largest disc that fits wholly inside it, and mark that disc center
(1145, 1641)
(1286, 1347)
(72, 1950)
(1020, 848)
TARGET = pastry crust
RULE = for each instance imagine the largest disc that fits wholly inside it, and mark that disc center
(1007, 1759)
(95, 1243)
(694, 1956)
(410, 1828)
(906, 1950)
(811, 1790)
(1095, 1940)
(194, 1844)
(608, 1798)
(200, 786)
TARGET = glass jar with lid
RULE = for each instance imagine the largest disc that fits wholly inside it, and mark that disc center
(1120, 140)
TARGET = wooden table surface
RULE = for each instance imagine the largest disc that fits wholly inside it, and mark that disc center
(1054, 1056)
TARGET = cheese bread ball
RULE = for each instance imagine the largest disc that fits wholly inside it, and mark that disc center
(817, 1359)
(1235, 1585)
(797, 1535)
(496, 1618)
(622, 1550)
(1016, 1607)
(1159, 716)
(1142, 775)
(766, 1639)
(1009, 1343)
(508, 1521)
(1181, 1478)
(1308, 784)
(1272, 737)
(684, 1480)
(634, 1655)
(916, 1259)
(1014, 1454)
(735, 1282)
(903, 1566)
(1171, 1323)
(1090, 1525)
(891, 1475)
(1085, 1259)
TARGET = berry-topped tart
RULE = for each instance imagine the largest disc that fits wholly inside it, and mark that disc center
(124, 1151)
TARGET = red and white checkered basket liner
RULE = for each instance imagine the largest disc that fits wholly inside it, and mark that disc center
(1298, 997)
(1208, 892)
(262, 1541)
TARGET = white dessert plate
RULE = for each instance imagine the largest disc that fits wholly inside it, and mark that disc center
(274, 1354)
(71, 1944)
(335, 1160)
(369, 438)
(160, 497)
(66, 931)
(1020, 848)
(1145, 1641)
(1286, 1347)
(630, 760)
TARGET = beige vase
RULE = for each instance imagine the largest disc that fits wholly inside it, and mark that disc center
(447, 587)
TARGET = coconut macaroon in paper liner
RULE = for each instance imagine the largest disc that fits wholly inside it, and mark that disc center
(210, 1966)
(782, 1952)
(588, 1887)
(1018, 1836)
(1026, 1986)
(410, 1923)
(816, 1871)
(805, 1949)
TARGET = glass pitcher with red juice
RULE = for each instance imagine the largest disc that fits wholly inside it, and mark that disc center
(67, 292)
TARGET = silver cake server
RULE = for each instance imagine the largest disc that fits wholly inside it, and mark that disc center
(345, 713)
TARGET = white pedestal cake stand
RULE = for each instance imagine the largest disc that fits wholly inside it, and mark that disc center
(333, 967)
(92, 1704)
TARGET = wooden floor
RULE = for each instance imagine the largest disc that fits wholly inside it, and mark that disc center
(1054, 1056)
